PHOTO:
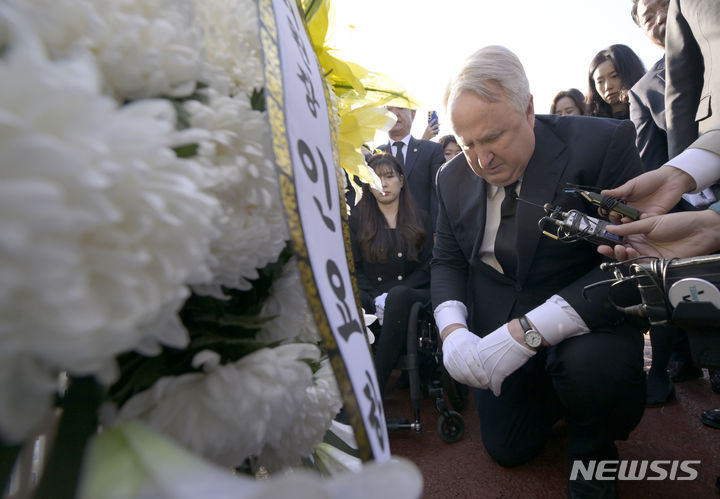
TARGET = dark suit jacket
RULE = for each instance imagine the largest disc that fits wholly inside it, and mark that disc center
(423, 159)
(375, 278)
(647, 112)
(581, 150)
(692, 51)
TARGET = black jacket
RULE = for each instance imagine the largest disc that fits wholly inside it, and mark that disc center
(374, 279)
(647, 112)
(422, 162)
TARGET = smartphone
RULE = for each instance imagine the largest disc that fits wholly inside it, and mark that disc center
(432, 115)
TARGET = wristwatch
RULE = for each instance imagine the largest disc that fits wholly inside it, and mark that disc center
(533, 338)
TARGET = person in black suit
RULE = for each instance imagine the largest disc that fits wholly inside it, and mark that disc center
(538, 351)
(647, 112)
(420, 160)
(392, 245)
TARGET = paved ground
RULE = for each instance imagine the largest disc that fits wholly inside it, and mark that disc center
(464, 470)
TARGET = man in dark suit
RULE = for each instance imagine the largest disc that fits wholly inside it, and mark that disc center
(538, 351)
(647, 112)
(647, 96)
(420, 160)
(692, 48)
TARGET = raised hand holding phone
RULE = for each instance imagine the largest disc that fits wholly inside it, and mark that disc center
(433, 126)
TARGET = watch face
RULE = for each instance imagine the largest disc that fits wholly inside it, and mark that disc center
(533, 338)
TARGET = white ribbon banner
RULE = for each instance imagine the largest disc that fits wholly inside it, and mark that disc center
(310, 183)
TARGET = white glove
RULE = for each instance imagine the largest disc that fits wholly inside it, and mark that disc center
(483, 362)
(501, 356)
(461, 359)
(380, 307)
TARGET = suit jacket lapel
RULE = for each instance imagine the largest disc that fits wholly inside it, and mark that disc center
(539, 185)
(477, 191)
(411, 155)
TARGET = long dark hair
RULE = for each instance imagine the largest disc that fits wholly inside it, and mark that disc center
(627, 65)
(447, 139)
(574, 95)
(374, 238)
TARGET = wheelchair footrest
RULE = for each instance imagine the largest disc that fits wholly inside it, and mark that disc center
(403, 424)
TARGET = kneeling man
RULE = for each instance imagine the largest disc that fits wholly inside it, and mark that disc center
(508, 300)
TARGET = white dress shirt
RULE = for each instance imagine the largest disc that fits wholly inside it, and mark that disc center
(701, 165)
(406, 141)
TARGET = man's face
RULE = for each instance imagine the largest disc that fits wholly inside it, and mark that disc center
(653, 15)
(404, 122)
(496, 138)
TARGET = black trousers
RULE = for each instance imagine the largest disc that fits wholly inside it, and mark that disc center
(393, 335)
(595, 381)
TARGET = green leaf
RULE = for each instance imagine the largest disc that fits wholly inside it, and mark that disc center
(186, 151)
(257, 99)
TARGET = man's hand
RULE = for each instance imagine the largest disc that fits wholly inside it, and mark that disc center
(653, 193)
(673, 235)
(461, 359)
(483, 362)
(380, 307)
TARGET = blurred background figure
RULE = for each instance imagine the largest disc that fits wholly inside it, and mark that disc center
(450, 146)
(569, 102)
(671, 357)
(419, 159)
(392, 245)
(613, 71)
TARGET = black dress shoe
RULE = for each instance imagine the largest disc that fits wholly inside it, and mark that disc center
(680, 371)
(660, 390)
(714, 379)
(711, 418)
(592, 489)
(580, 488)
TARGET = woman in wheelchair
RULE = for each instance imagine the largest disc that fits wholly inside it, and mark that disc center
(392, 246)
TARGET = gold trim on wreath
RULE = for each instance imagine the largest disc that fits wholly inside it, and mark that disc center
(274, 97)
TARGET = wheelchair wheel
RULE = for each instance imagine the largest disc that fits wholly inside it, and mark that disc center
(456, 392)
(451, 427)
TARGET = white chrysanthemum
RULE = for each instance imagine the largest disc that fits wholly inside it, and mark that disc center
(145, 48)
(322, 402)
(232, 41)
(102, 225)
(237, 410)
(288, 307)
(236, 151)
(27, 390)
(155, 467)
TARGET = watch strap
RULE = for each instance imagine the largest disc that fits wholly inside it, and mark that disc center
(525, 324)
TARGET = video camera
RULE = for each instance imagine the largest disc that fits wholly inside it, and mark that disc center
(678, 292)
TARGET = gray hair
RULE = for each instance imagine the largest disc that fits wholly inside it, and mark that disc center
(484, 71)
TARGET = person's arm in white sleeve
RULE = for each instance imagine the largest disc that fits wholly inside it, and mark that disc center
(703, 166)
